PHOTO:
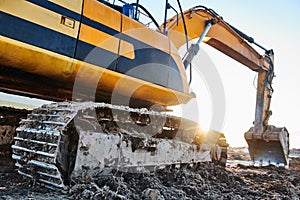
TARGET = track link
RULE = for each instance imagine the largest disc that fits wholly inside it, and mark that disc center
(37, 143)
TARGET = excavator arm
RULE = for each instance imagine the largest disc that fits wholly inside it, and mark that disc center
(267, 144)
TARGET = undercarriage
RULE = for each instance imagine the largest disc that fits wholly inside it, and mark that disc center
(64, 140)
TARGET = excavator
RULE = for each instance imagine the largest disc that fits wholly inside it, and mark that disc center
(112, 78)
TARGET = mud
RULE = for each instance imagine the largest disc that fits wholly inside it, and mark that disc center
(207, 181)
(238, 153)
(295, 163)
(14, 186)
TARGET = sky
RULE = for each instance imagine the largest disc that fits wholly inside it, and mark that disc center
(273, 24)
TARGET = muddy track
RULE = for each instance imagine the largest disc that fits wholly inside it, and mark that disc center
(15, 186)
(207, 182)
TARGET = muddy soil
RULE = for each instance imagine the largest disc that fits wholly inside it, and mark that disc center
(295, 163)
(205, 182)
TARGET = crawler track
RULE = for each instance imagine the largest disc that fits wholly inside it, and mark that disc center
(62, 140)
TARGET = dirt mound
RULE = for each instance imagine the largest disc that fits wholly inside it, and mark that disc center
(238, 153)
(206, 182)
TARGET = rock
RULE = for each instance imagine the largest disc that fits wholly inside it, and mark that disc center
(152, 194)
(87, 194)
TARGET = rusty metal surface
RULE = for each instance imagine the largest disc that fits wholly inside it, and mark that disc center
(263, 98)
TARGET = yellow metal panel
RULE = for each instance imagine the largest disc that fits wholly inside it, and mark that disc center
(122, 84)
(34, 60)
(220, 36)
(74, 5)
(140, 32)
(38, 15)
(105, 41)
(126, 49)
(98, 12)
(41, 62)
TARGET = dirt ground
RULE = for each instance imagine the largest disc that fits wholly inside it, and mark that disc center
(206, 182)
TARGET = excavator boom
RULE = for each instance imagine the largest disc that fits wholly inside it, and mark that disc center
(221, 36)
(267, 144)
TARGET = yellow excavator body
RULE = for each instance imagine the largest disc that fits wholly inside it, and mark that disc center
(100, 57)
(78, 37)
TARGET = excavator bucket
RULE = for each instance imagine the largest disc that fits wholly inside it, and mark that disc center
(271, 147)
